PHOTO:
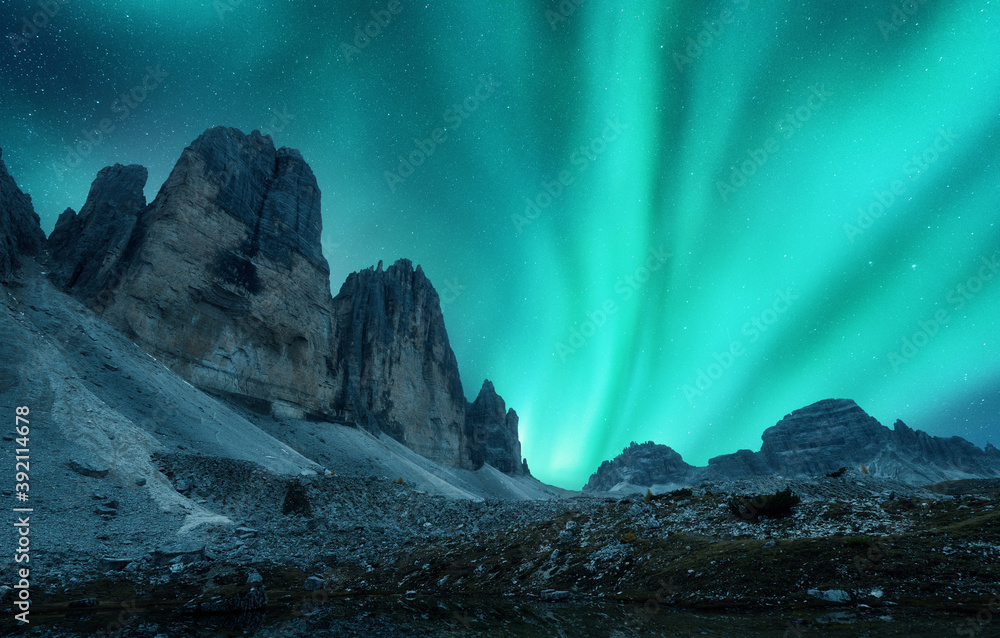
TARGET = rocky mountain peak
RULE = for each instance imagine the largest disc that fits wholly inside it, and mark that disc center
(393, 365)
(397, 301)
(117, 187)
(86, 247)
(395, 372)
(491, 432)
(488, 402)
(272, 192)
(20, 228)
(645, 464)
(821, 437)
(817, 440)
(221, 277)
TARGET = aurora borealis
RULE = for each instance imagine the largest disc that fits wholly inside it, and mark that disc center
(669, 221)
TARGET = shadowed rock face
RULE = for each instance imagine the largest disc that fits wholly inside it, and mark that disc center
(392, 365)
(821, 438)
(953, 454)
(221, 277)
(86, 247)
(20, 229)
(741, 463)
(644, 464)
(491, 433)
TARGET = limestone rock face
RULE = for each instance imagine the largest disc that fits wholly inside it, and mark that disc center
(740, 464)
(821, 438)
(393, 367)
(222, 279)
(645, 464)
(916, 452)
(834, 433)
(222, 276)
(20, 228)
(86, 247)
(491, 433)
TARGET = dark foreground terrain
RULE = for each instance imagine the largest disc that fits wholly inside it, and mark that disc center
(859, 556)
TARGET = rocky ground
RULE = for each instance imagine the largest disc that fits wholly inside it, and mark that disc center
(858, 551)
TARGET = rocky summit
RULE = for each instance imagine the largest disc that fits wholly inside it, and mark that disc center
(644, 464)
(20, 233)
(815, 440)
(491, 433)
(834, 433)
(221, 277)
(393, 366)
(86, 247)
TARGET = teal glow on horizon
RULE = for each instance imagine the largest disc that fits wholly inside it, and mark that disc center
(647, 221)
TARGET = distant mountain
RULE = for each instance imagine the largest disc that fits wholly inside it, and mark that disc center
(642, 464)
(830, 434)
(812, 441)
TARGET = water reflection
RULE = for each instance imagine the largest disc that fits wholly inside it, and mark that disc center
(392, 616)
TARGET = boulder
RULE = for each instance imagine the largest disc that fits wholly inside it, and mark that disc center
(831, 595)
(229, 600)
(89, 467)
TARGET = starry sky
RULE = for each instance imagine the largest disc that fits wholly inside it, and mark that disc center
(673, 221)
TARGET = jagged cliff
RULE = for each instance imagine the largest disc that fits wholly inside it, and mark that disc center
(393, 367)
(491, 433)
(222, 278)
(832, 433)
(20, 232)
(86, 247)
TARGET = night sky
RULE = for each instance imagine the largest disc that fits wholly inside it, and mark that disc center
(668, 221)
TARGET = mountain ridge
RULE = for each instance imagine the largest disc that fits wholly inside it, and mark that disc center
(812, 441)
